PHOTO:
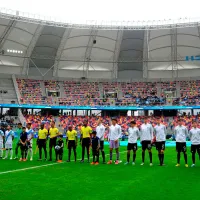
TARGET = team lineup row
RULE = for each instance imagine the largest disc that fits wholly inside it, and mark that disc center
(95, 140)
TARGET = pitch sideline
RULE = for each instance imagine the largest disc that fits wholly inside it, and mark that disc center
(39, 166)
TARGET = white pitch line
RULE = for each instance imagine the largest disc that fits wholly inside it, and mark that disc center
(39, 166)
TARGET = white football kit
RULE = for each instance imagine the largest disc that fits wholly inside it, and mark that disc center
(8, 139)
(29, 135)
(1, 139)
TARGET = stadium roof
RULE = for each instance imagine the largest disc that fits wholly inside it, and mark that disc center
(94, 52)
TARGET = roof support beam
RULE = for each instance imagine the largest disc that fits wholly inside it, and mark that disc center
(146, 54)
(116, 53)
(7, 32)
(129, 25)
(36, 35)
(174, 59)
(42, 74)
(61, 47)
(127, 60)
(198, 27)
(87, 58)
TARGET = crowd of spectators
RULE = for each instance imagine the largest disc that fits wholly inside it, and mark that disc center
(124, 121)
(190, 93)
(51, 85)
(81, 94)
(36, 120)
(114, 93)
(30, 91)
(140, 93)
(64, 121)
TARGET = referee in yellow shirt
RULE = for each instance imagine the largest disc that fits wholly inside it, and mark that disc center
(71, 142)
(85, 139)
(53, 133)
(42, 138)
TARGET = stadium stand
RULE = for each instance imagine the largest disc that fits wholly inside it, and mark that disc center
(31, 93)
(88, 93)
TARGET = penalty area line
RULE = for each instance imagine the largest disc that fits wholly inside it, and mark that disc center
(40, 166)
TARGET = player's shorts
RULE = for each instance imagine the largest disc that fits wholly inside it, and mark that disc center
(114, 145)
(101, 145)
(86, 142)
(132, 146)
(42, 143)
(71, 144)
(146, 144)
(160, 145)
(195, 148)
(1, 145)
(29, 145)
(52, 142)
(8, 145)
(181, 147)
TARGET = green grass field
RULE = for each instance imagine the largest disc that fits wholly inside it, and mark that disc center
(85, 182)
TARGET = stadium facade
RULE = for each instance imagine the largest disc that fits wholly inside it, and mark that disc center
(39, 48)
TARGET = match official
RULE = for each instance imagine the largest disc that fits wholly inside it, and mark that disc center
(85, 139)
(71, 142)
(53, 133)
(42, 138)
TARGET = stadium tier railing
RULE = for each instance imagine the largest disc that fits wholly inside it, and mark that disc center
(21, 117)
(16, 88)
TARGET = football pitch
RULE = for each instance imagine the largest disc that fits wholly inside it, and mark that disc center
(43, 180)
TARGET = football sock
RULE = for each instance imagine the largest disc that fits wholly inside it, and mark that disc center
(75, 154)
(83, 152)
(128, 157)
(118, 155)
(110, 155)
(159, 157)
(6, 153)
(185, 157)
(45, 153)
(88, 153)
(143, 155)
(69, 154)
(150, 157)
(178, 157)
(162, 158)
(93, 155)
(134, 156)
(22, 154)
(193, 158)
(31, 152)
(40, 153)
(1, 152)
(11, 153)
(50, 153)
(103, 155)
(26, 153)
(97, 156)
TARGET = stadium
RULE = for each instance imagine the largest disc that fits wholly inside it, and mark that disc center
(59, 78)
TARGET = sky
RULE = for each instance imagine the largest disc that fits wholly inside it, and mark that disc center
(82, 11)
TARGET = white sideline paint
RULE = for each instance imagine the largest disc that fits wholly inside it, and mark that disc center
(39, 166)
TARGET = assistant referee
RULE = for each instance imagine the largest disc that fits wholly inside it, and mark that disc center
(71, 142)
(53, 133)
(85, 139)
(42, 138)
